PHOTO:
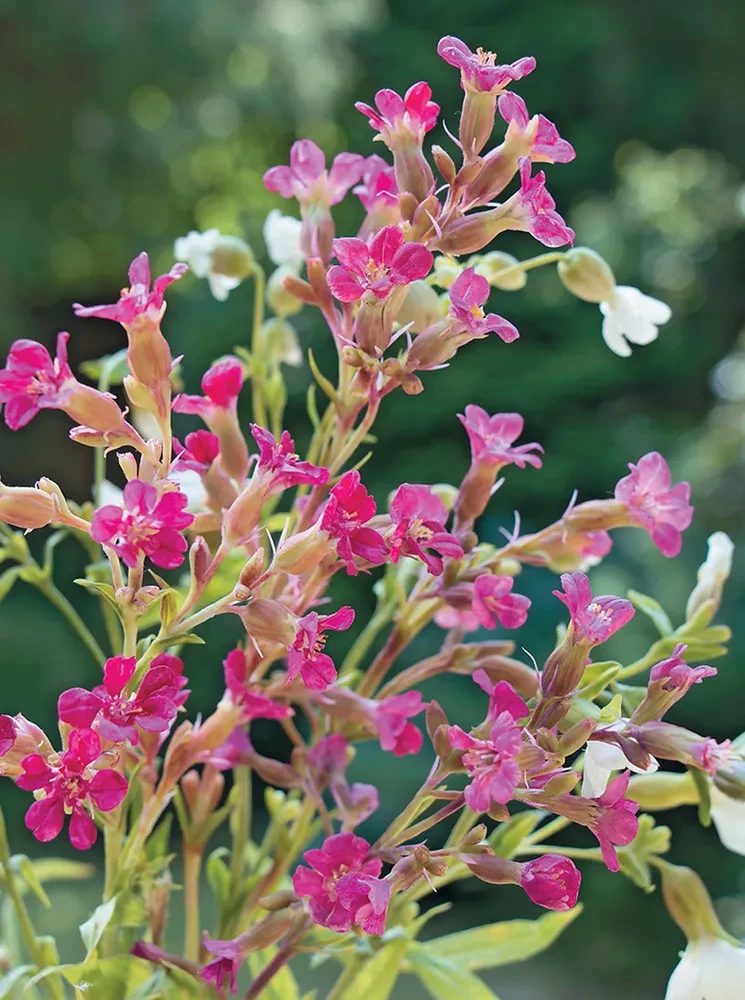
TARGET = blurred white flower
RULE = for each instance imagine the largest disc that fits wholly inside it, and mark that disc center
(223, 260)
(710, 969)
(601, 760)
(282, 239)
(729, 819)
(631, 317)
(713, 573)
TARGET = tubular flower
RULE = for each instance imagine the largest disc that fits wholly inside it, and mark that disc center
(339, 855)
(535, 211)
(493, 602)
(414, 114)
(148, 524)
(551, 881)
(492, 438)
(502, 698)
(386, 263)
(652, 503)
(137, 301)
(281, 465)
(491, 763)
(117, 715)
(593, 619)
(669, 681)
(468, 293)
(544, 144)
(344, 517)
(306, 656)
(255, 704)
(71, 786)
(224, 968)
(419, 517)
(366, 899)
(478, 69)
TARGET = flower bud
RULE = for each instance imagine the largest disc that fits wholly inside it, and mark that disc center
(662, 790)
(302, 552)
(270, 929)
(712, 576)
(26, 507)
(476, 121)
(444, 163)
(471, 233)
(446, 270)
(280, 298)
(490, 868)
(585, 274)
(232, 257)
(575, 737)
(242, 516)
(561, 784)
(492, 264)
(268, 621)
(689, 903)
(252, 571)
(18, 739)
(279, 900)
(420, 308)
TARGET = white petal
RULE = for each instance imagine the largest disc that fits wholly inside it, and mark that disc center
(729, 819)
(645, 306)
(612, 334)
(195, 249)
(282, 238)
(110, 493)
(190, 483)
(642, 332)
(710, 969)
(221, 285)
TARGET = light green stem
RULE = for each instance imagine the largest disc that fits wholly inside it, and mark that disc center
(593, 853)
(339, 989)
(192, 930)
(242, 827)
(546, 831)
(257, 397)
(58, 599)
(527, 265)
(366, 638)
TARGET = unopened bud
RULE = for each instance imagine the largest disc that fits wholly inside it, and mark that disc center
(585, 274)
(280, 299)
(190, 786)
(251, 572)
(302, 552)
(446, 270)
(128, 465)
(242, 516)
(270, 929)
(280, 343)
(444, 163)
(279, 900)
(475, 836)
(26, 507)
(575, 737)
(662, 790)
(561, 784)
(200, 560)
(712, 576)
(421, 307)
(689, 903)
(268, 621)
(232, 257)
(491, 266)
(471, 233)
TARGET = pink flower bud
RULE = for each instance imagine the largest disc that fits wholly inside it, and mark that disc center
(303, 551)
(268, 621)
(551, 881)
(27, 507)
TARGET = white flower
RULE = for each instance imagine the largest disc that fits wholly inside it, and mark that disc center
(196, 250)
(709, 969)
(632, 317)
(729, 819)
(282, 239)
(713, 573)
(601, 759)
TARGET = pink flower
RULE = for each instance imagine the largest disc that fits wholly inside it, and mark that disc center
(478, 69)
(148, 524)
(137, 300)
(420, 516)
(615, 824)
(31, 381)
(255, 703)
(492, 602)
(327, 764)
(495, 774)
(491, 438)
(198, 452)
(306, 177)
(390, 718)
(339, 855)
(279, 460)
(502, 698)
(652, 503)
(551, 881)
(229, 957)
(675, 676)
(221, 385)
(8, 732)
(71, 786)
(306, 657)
(366, 898)
(378, 189)
(176, 665)
(344, 517)
(468, 293)
(117, 715)
(536, 212)
(386, 263)
(546, 144)
(412, 115)
(593, 619)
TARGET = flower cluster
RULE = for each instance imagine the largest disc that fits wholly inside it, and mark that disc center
(267, 531)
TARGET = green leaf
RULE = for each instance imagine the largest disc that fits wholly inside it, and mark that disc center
(283, 985)
(501, 943)
(444, 979)
(14, 978)
(157, 843)
(633, 695)
(218, 875)
(652, 609)
(112, 978)
(25, 869)
(7, 581)
(111, 369)
(92, 930)
(155, 986)
(376, 978)
(322, 381)
(701, 781)
(61, 870)
(104, 590)
(597, 677)
(507, 837)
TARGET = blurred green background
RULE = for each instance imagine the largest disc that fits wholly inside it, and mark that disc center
(124, 125)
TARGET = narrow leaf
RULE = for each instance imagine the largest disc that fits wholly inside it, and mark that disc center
(92, 930)
(445, 980)
(376, 978)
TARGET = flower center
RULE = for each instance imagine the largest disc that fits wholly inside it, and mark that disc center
(484, 58)
(374, 272)
(477, 312)
(419, 531)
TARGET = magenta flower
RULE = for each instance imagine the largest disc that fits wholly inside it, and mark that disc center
(137, 300)
(198, 452)
(546, 145)
(593, 619)
(255, 704)
(412, 115)
(478, 69)
(536, 211)
(307, 179)
(495, 774)
(366, 899)
(176, 665)
(615, 824)
(502, 698)
(71, 786)
(675, 675)
(492, 438)
(339, 855)
(652, 503)
(148, 524)
(280, 462)
(386, 263)
(229, 957)
(551, 881)
(221, 385)
(306, 656)
(344, 517)
(468, 293)
(493, 602)
(32, 381)
(8, 732)
(419, 516)
(327, 764)
(390, 718)
(378, 190)
(117, 715)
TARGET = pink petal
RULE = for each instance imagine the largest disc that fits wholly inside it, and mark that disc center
(281, 180)
(307, 161)
(513, 109)
(82, 830)
(78, 707)
(45, 818)
(118, 672)
(411, 263)
(108, 789)
(343, 285)
(384, 245)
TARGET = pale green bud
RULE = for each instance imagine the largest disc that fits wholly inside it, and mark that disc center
(279, 300)
(585, 274)
(492, 264)
(421, 307)
(446, 270)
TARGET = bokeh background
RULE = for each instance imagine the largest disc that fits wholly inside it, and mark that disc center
(125, 124)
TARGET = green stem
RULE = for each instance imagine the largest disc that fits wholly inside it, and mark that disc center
(59, 601)
(257, 397)
(363, 642)
(527, 265)
(242, 827)
(339, 989)
(546, 831)
(463, 824)
(592, 853)
(192, 929)
(646, 661)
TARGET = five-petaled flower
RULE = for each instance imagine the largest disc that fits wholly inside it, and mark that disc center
(494, 602)
(652, 503)
(345, 517)
(412, 115)
(593, 619)
(492, 438)
(279, 462)
(137, 300)
(306, 657)
(468, 293)
(491, 763)
(544, 144)
(255, 704)
(148, 524)
(116, 714)
(378, 267)
(535, 210)
(71, 785)
(307, 179)
(419, 517)
(479, 70)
